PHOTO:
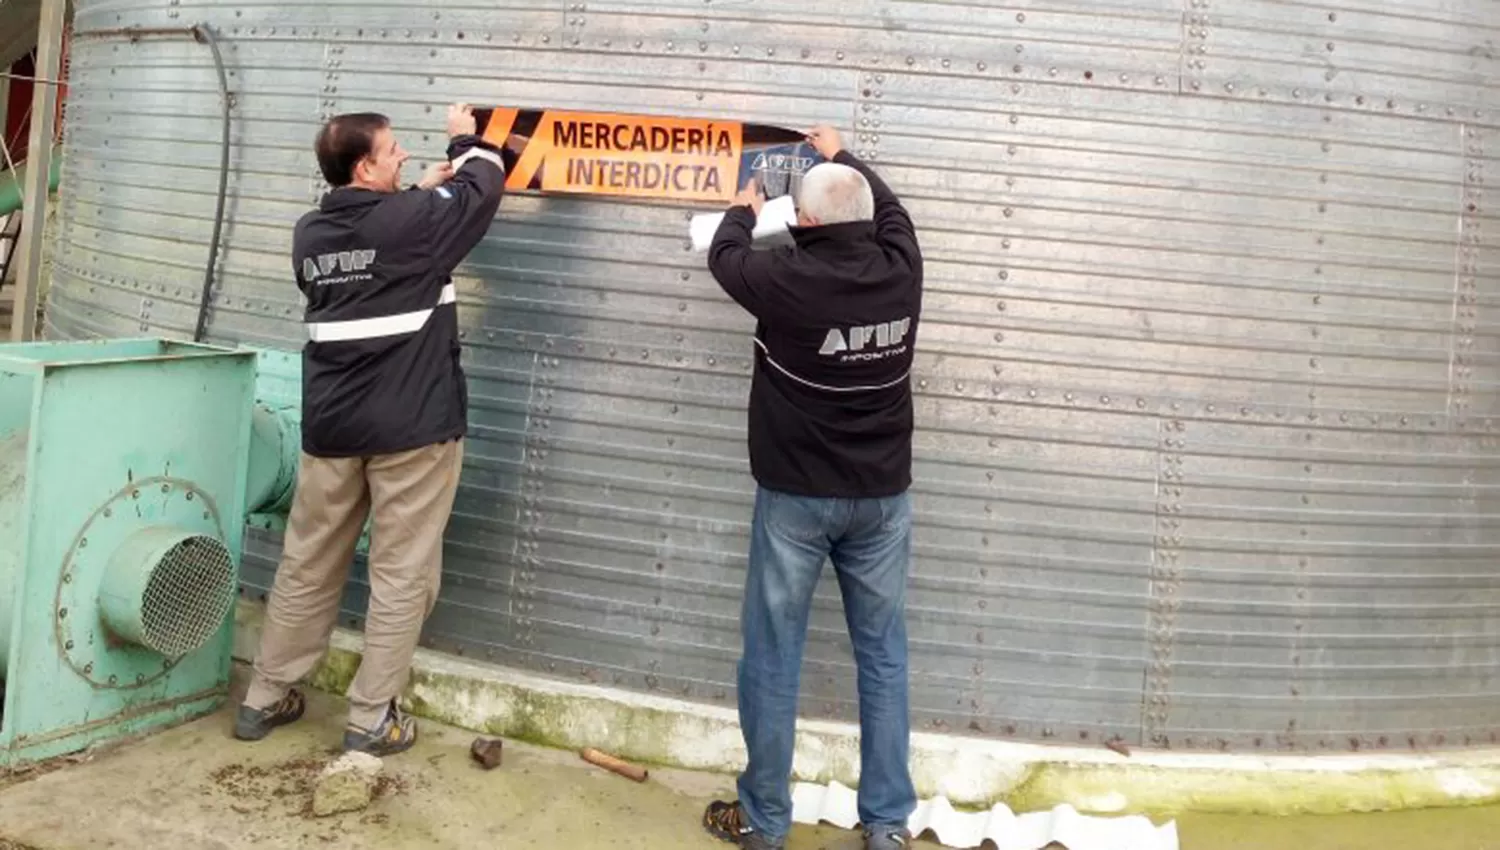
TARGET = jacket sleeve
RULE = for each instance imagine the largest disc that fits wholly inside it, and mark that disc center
(460, 211)
(893, 225)
(742, 272)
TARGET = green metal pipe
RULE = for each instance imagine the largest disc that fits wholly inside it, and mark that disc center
(275, 433)
(275, 441)
(10, 183)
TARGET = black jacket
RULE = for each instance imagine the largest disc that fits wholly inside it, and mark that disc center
(380, 372)
(830, 401)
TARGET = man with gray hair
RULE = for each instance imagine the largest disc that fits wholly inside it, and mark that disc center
(830, 448)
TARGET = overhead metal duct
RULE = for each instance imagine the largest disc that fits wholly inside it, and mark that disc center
(18, 23)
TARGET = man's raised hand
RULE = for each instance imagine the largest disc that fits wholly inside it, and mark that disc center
(826, 141)
(750, 197)
(461, 120)
(436, 175)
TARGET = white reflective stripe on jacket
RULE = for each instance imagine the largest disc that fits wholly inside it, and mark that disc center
(378, 326)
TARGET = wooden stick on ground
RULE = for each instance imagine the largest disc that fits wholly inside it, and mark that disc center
(610, 763)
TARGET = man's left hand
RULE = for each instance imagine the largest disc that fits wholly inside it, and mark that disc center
(750, 197)
(436, 175)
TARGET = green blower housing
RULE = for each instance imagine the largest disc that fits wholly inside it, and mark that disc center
(127, 471)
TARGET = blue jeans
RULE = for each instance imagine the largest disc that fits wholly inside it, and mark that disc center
(869, 543)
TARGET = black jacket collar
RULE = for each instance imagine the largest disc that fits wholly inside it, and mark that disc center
(847, 233)
(351, 196)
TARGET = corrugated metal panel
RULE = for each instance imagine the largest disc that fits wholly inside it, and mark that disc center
(1207, 376)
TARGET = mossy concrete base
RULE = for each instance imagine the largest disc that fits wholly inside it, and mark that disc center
(970, 772)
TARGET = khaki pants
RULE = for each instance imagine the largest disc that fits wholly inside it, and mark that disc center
(409, 497)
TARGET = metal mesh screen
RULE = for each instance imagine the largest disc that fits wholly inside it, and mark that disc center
(187, 596)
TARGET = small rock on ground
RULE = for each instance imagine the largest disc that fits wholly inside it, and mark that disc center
(347, 784)
(487, 752)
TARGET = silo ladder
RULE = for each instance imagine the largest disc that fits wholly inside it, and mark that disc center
(10, 237)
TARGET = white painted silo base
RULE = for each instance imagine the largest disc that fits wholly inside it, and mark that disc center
(969, 772)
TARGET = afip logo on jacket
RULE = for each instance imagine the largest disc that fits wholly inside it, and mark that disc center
(888, 338)
(346, 262)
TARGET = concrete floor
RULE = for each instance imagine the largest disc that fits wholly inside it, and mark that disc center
(195, 788)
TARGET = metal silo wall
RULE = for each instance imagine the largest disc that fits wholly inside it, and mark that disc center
(1206, 378)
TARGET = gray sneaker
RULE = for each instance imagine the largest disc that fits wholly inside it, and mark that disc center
(253, 724)
(887, 838)
(395, 734)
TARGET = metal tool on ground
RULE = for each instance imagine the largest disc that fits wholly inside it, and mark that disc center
(613, 764)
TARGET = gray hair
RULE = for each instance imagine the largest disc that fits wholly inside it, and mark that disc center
(834, 193)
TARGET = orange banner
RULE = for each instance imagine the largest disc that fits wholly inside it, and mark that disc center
(635, 156)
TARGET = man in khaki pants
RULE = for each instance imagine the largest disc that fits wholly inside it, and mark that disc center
(384, 413)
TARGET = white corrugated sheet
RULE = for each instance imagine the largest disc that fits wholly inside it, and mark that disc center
(838, 805)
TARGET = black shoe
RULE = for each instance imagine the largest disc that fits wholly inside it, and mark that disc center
(395, 734)
(887, 838)
(252, 724)
(727, 822)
